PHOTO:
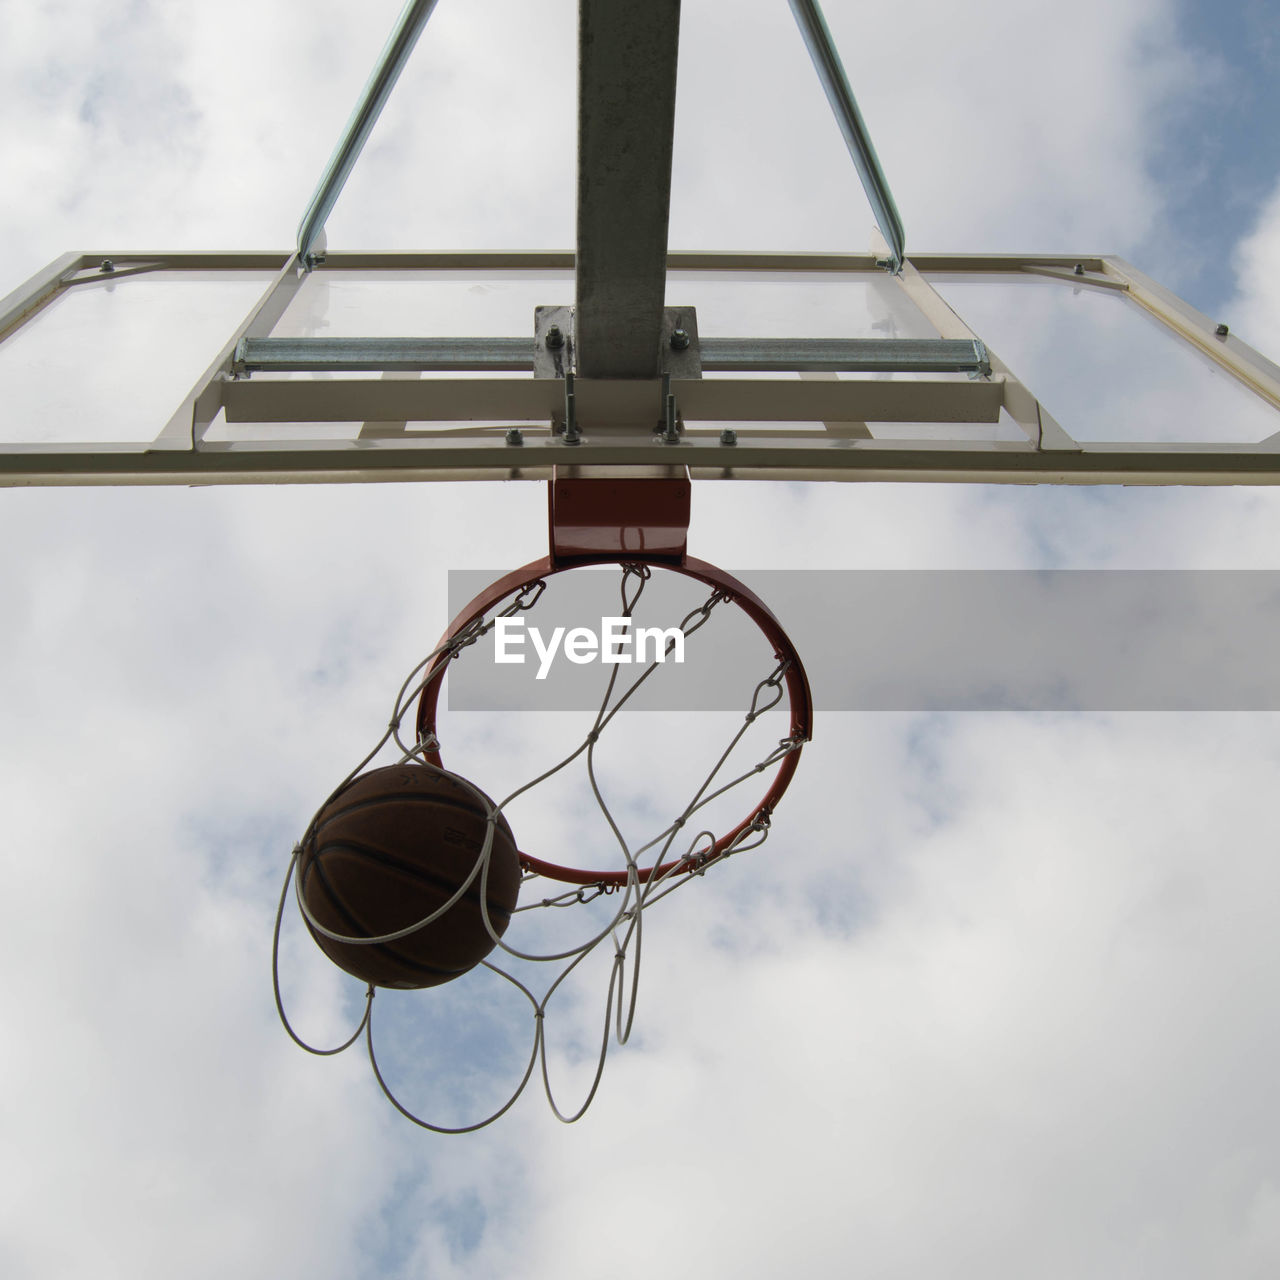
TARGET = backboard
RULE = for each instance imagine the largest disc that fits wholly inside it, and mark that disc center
(307, 365)
(258, 367)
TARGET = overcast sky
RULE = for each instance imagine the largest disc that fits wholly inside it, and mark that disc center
(998, 999)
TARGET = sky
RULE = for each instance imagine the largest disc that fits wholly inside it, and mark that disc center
(999, 996)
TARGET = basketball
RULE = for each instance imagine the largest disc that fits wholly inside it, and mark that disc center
(391, 848)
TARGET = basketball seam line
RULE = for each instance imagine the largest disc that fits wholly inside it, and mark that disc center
(387, 949)
(312, 856)
(447, 802)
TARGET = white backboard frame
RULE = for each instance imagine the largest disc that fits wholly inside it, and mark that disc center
(620, 421)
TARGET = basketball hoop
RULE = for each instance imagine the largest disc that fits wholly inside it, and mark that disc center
(408, 875)
(525, 585)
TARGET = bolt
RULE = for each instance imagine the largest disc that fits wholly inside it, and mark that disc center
(1222, 330)
(515, 435)
(1079, 268)
(555, 339)
(107, 266)
(680, 340)
(728, 436)
(571, 432)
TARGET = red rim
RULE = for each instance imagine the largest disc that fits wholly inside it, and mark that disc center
(794, 678)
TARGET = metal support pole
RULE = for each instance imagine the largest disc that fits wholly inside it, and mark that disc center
(394, 56)
(826, 62)
(626, 118)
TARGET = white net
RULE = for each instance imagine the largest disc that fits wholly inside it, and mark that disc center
(644, 867)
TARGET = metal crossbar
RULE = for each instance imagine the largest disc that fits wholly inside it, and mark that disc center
(739, 355)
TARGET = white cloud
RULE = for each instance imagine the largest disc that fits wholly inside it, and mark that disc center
(1030, 1055)
(995, 997)
(999, 128)
(1256, 312)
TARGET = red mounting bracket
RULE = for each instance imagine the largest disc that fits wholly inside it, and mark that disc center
(606, 513)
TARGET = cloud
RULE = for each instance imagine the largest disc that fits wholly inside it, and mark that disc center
(1256, 313)
(995, 132)
(1005, 1065)
(993, 999)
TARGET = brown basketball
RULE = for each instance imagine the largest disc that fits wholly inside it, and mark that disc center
(392, 847)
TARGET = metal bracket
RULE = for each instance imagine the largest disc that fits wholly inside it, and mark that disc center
(681, 353)
(602, 513)
(108, 273)
(554, 347)
(1077, 275)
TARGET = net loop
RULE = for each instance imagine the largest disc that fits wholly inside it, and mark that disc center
(525, 598)
(464, 639)
(641, 573)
